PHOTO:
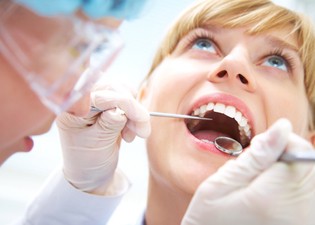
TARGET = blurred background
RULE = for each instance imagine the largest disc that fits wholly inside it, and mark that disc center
(23, 174)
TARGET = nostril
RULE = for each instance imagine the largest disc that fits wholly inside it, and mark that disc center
(222, 73)
(242, 79)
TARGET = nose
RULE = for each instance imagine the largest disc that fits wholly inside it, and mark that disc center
(235, 68)
(81, 107)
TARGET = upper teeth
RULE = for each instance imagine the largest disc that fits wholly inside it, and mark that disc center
(230, 111)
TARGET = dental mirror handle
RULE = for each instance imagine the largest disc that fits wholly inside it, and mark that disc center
(298, 157)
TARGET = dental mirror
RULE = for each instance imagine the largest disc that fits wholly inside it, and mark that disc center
(233, 147)
(228, 145)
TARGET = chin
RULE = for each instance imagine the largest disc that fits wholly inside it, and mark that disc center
(24, 144)
(189, 182)
(8, 152)
(44, 128)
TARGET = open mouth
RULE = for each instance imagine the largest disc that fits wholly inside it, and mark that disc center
(226, 121)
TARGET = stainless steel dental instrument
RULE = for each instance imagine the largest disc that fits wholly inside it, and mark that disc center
(298, 157)
(161, 114)
(233, 147)
(228, 145)
(173, 115)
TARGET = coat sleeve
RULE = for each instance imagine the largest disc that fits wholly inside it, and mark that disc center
(60, 203)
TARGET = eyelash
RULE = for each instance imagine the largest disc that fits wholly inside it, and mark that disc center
(197, 35)
(287, 58)
(204, 34)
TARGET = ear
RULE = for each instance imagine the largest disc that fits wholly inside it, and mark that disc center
(143, 92)
(312, 138)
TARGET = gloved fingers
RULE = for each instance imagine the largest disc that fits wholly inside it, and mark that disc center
(141, 129)
(266, 148)
(132, 129)
(135, 129)
(68, 121)
(289, 183)
(113, 95)
(263, 152)
(112, 122)
(128, 135)
(301, 172)
(297, 143)
(108, 99)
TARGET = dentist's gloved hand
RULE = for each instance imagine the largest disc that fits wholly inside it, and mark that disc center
(256, 189)
(90, 145)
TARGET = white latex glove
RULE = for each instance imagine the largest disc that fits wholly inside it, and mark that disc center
(90, 145)
(256, 189)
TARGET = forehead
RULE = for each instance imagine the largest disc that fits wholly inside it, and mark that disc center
(281, 38)
(257, 16)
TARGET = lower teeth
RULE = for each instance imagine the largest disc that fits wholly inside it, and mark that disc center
(206, 141)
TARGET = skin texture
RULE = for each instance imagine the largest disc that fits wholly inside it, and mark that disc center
(226, 66)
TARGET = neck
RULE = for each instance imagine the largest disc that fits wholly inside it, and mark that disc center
(166, 205)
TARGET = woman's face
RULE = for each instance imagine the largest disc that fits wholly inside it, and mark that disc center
(244, 82)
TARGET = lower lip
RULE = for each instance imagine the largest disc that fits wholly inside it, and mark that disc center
(207, 146)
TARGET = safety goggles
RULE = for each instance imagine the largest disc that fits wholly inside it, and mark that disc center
(60, 57)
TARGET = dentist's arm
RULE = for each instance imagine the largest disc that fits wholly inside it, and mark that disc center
(256, 188)
(90, 145)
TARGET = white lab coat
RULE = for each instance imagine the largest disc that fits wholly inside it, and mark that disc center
(140, 220)
(60, 203)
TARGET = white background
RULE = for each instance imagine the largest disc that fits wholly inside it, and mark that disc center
(23, 174)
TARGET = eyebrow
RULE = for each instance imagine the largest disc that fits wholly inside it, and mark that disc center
(213, 28)
(277, 42)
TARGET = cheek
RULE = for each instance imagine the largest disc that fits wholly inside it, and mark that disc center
(171, 81)
(174, 161)
(35, 118)
(298, 115)
(22, 113)
(168, 165)
(290, 103)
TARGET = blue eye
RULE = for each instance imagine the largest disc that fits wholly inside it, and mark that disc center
(204, 45)
(276, 61)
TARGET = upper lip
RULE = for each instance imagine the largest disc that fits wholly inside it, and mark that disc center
(227, 100)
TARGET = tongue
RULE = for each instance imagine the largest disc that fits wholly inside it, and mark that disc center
(209, 135)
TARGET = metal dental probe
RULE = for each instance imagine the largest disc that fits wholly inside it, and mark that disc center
(161, 114)
(173, 115)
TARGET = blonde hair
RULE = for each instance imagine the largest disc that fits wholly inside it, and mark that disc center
(261, 16)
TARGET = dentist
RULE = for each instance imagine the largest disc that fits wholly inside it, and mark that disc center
(45, 49)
